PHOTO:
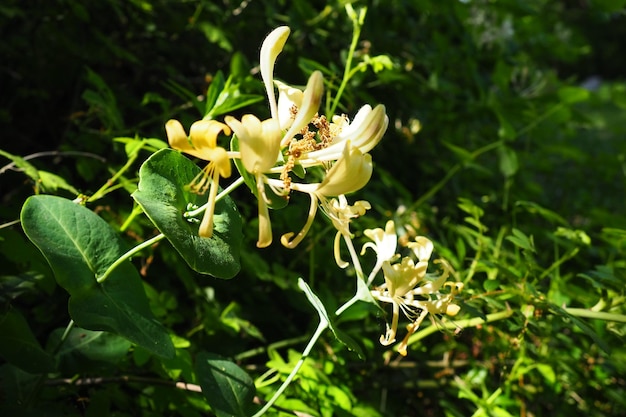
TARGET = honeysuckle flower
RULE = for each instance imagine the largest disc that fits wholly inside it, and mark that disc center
(259, 147)
(364, 132)
(384, 244)
(341, 214)
(202, 143)
(349, 174)
(400, 289)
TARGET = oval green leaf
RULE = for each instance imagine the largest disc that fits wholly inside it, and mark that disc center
(229, 390)
(80, 246)
(164, 195)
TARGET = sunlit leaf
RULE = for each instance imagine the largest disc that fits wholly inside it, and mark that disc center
(164, 195)
(80, 246)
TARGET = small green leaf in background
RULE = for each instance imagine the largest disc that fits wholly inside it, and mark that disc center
(571, 94)
(19, 162)
(83, 349)
(229, 390)
(519, 239)
(19, 345)
(80, 246)
(164, 195)
(508, 161)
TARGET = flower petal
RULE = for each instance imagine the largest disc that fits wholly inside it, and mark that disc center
(271, 48)
(311, 100)
(259, 142)
(350, 173)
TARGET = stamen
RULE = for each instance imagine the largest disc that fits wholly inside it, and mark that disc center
(200, 184)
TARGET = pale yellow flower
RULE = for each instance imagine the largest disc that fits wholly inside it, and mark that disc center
(407, 288)
(384, 244)
(259, 148)
(202, 143)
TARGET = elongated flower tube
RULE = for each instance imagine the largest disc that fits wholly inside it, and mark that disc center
(259, 146)
(270, 49)
(202, 143)
(349, 174)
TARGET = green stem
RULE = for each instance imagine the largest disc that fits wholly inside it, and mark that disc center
(104, 189)
(453, 324)
(452, 171)
(357, 23)
(323, 325)
(64, 336)
(359, 275)
(569, 255)
(137, 210)
(127, 255)
(224, 193)
(277, 345)
(599, 315)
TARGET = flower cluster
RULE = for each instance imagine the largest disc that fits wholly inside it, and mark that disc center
(408, 286)
(294, 138)
(277, 153)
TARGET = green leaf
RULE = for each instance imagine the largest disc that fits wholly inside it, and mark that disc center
(19, 345)
(324, 317)
(508, 161)
(572, 94)
(231, 102)
(80, 246)
(88, 351)
(164, 195)
(535, 208)
(22, 164)
(215, 88)
(582, 326)
(229, 390)
(51, 182)
(521, 240)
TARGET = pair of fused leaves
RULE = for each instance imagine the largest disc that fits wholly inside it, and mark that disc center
(80, 247)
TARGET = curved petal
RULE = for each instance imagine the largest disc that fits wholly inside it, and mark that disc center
(288, 97)
(350, 173)
(176, 136)
(271, 48)
(311, 99)
(259, 142)
(364, 132)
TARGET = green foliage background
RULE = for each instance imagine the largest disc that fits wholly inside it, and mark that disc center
(505, 147)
